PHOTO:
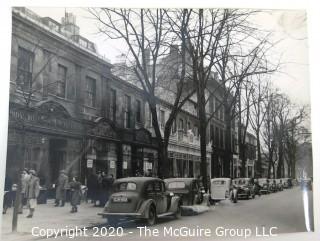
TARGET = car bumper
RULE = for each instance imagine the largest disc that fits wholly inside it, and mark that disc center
(132, 215)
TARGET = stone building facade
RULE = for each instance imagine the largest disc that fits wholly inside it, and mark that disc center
(67, 110)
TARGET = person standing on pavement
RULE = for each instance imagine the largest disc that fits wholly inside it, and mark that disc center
(61, 189)
(93, 188)
(75, 187)
(32, 192)
(24, 182)
(7, 199)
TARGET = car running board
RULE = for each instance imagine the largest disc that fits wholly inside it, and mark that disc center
(165, 214)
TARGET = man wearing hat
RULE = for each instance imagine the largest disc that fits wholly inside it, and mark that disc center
(24, 183)
(61, 191)
(32, 192)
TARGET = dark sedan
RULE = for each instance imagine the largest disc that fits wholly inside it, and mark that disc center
(245, 187)
(187, 188)
(140, 198)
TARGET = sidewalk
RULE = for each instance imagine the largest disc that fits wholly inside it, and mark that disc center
(48, 216)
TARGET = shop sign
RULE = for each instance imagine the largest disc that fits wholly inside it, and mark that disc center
(89, 163)
(112, 164)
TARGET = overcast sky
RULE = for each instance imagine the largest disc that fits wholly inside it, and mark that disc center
(289, 26)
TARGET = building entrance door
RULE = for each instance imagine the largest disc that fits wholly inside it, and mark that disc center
(57, 157)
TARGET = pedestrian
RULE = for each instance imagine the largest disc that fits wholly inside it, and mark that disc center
(32, 192)
(7, 199)
(93, 188)
(104, 186)
(61, 189)
(108, 186)
(75, 187)
(24, 182)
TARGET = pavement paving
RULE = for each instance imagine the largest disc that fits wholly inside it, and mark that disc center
(52, 217)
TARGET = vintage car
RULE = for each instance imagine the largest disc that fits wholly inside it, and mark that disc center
(279, 184)
(273, 185)
(188, 189)
(264, 185)
(245, 187)
(306, 184)
(143, 198)
(287, 183)
(221, 189)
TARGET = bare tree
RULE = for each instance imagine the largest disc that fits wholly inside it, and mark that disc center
(257, 117)
(147, 36)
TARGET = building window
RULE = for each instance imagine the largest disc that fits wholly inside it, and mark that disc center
(216, 137)
(195, 130)
(211, 107)
(180, 127)
(211, 133)
(216, 108)
(113, 104)
(61, 81)
(174, 126)
(25, 67)
(189, 125)
(127, 112)
(221, 138)
(138, 111)
(149, 117)
(90, 99)
(162, 118)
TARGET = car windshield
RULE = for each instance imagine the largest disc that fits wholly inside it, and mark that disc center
(242, 182)
(127, 186)
(262, 181)
(176, 185)
(218, 182)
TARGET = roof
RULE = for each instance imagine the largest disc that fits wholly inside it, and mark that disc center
(188, 180)
(137, 179)
(220, 178)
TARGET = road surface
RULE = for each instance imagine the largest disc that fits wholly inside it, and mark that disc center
(281, 212)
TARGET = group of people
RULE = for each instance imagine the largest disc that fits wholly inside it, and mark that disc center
(99, 187)
(62, 186)
(30, 189)
(29, 192)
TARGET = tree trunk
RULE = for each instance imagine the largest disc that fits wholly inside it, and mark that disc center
(280, 161)
(18, 191)
(259, 158)
(228, 150)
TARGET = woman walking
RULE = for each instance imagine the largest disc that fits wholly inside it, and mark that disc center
(75, 187)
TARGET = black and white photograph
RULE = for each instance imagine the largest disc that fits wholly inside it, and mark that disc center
(158, 123)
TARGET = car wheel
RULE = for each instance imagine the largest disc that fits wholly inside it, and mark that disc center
(196, 200)
(112, 221)
(152, 216)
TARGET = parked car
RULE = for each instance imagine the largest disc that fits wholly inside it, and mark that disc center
(188, 189)
(245, 187)
(221, 189)
(279, 184)
(143, 198)
(306, 183)
(264, 185)
(285, 183)
(273, 185)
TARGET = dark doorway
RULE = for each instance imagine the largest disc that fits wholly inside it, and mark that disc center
(57, 157)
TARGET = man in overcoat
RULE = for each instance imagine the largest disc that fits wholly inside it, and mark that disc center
(32, 192)
(61, 189)
(75, 187)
